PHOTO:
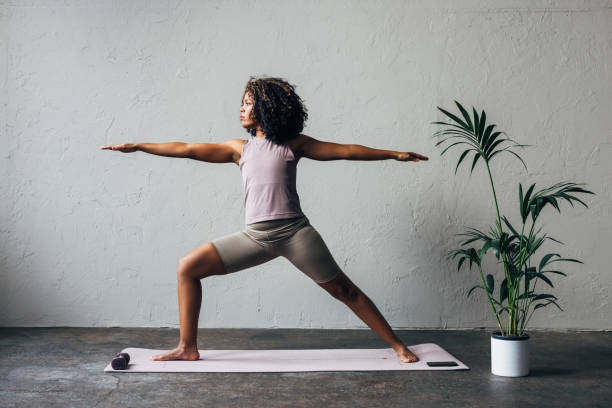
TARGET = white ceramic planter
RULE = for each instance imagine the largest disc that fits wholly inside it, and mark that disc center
(509, 355)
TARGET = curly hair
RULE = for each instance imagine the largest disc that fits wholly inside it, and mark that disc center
(277, 108)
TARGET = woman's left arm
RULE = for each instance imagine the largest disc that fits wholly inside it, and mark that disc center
(359, 152)
(319, 150)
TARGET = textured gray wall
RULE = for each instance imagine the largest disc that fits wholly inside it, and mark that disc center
(92, 237)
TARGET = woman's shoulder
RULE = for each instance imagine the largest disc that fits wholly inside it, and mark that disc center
(237, 146)
(296, 144)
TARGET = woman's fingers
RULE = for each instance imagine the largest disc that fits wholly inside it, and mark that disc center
(411, 156)
(125, 148)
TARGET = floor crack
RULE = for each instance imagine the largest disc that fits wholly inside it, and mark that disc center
(105, 397)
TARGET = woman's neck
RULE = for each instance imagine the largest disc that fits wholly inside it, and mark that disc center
(260, 133)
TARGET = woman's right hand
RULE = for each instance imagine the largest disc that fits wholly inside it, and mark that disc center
(125, 148)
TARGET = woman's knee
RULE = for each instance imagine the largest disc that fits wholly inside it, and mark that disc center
(342, 288)
(200, 263)
(348, 292)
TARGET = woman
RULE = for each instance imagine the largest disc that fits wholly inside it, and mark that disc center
(273, 114)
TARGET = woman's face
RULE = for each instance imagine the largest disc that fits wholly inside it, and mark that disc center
(246, 114)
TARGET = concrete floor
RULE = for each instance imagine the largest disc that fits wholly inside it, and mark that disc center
(63, 367)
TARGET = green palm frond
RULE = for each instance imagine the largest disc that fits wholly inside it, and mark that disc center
(476, 134)
(534, 205)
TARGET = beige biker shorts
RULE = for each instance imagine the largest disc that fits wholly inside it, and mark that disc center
(292, 238)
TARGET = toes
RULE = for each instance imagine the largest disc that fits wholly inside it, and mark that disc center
(159, 357)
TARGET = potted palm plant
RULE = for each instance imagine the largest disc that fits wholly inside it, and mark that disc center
(516, 298)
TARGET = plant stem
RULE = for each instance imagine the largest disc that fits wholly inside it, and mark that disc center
(522, 254)
(510, 302)
(490, 300)
(527, 302)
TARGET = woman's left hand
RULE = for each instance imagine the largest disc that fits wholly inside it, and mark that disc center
(410, 156)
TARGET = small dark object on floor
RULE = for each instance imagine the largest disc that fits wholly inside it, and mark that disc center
(441, 363)
(120, 362)
(125, 355)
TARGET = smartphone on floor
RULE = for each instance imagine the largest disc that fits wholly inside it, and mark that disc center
(441, 363)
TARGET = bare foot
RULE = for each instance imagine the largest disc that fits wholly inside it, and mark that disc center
(404, 354)
(178, 354)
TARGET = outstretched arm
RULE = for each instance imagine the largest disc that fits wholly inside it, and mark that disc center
(318, 150)
(170, 149)
(223, 152)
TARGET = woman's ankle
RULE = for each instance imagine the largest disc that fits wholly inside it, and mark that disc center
(187, 346)
(398, 344)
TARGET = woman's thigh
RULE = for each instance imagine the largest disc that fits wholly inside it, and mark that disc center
(308, 252)
(238, 251)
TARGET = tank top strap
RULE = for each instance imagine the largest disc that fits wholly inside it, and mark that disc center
(244, 151)
(263, 145)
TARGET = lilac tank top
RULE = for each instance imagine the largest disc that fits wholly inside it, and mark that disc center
(268, 176)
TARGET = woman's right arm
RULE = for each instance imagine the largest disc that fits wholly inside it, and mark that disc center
(224, 152)
(171, 149)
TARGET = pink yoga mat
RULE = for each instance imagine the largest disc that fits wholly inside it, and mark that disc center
(251, 361)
